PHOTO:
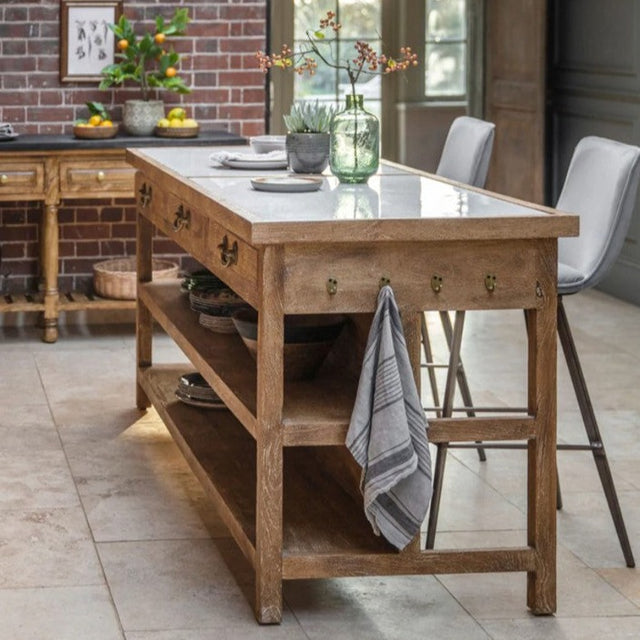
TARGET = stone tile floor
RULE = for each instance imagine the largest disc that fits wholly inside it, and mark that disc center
(106, 535)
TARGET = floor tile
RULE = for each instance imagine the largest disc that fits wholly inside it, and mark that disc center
(47, 548)
(40, 479)
(67, 613)
(188, 577)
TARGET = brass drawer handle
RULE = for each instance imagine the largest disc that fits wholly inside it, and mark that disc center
(490, 282)
(4, 178)
(228, 255)
(436, 283)
(100, 176)
(182, 219)
(145, 192)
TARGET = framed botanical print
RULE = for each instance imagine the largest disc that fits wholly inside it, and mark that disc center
(86, 42)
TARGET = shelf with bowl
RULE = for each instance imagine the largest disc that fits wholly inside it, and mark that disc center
(228, 366)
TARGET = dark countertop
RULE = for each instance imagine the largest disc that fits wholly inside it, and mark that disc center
(38, 142)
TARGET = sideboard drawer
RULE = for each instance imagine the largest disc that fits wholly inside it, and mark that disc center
(96, 177)
(22, 179)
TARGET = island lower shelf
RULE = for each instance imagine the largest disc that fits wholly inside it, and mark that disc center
(325, 532)
(321, 517)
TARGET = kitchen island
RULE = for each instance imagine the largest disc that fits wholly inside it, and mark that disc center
(274, 462)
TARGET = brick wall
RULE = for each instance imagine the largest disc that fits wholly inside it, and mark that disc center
(218, 63)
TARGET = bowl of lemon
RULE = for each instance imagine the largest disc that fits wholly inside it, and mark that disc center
(97, 126)
(177, 125)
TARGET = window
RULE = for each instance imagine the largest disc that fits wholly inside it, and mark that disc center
(446, 49)
(361, 20)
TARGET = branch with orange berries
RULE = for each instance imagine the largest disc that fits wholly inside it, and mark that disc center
(366, 61)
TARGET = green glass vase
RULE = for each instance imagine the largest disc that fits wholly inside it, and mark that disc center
(355, 143)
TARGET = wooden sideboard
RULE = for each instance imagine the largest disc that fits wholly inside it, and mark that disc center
(274, 463)
(51, 169)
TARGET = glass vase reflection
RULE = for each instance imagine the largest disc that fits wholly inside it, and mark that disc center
(355, 143)
(356, 202)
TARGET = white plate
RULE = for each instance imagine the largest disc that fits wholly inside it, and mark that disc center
(255, 164)
(287, 184)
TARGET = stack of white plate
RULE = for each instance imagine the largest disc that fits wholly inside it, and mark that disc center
(194, 390)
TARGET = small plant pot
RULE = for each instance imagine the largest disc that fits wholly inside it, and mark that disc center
(139, 117)
(307, 152)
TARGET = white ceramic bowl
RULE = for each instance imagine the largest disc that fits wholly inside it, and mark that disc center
(265, 144)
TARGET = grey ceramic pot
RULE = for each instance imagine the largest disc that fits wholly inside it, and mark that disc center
(307, 152)
(139, 117)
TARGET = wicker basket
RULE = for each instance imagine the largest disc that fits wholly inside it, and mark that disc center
(117, 278)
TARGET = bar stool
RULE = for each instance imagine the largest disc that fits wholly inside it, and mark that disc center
(465, 158)
(601, 187)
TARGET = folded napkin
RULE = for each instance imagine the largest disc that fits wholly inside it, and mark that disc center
(220, 157)
(388, 432)
(6, 129)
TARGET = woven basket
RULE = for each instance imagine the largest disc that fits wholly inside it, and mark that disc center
(117, 278)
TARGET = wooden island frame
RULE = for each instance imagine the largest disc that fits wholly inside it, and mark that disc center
(274, 464)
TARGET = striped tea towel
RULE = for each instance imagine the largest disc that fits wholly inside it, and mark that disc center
(388, 432)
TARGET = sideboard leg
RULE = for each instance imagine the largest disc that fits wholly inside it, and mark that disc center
(50, 268)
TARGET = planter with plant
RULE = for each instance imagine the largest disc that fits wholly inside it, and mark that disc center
(355, 136)
(146, 61)
(307, 143)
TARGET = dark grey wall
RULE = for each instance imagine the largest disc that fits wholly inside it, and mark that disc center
(594, 89)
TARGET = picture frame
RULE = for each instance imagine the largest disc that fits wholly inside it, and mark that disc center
(87, 45)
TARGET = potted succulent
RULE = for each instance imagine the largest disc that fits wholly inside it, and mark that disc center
(307, 143)
(146, 61)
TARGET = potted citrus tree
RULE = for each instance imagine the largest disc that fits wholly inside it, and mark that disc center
(146, 61)
(307, 143)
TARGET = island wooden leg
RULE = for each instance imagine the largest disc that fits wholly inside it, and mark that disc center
(144, 321)
(541, 515)
(269, 452)
(49, 253)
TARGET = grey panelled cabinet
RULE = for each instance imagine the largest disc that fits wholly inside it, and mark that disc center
(595, 90)
(557, 71)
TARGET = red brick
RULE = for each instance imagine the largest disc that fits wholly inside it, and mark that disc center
(84, 231)
(112, 248)
(123, 230)
(12, 250)
(66, 249)
(76, 265)
(18, 233)
(14, 216)
(85, 249)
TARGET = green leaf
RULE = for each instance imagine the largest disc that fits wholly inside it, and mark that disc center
(319, 35)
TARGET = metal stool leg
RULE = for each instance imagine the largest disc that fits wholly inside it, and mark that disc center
(428, 355)
(461, 376)
(593, 432)
(447, 406)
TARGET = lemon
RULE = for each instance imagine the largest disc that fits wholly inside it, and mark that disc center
(175, 122)
(163, 122)
(95, 121)
(189, 122)
(106, 123)
(177, 112)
